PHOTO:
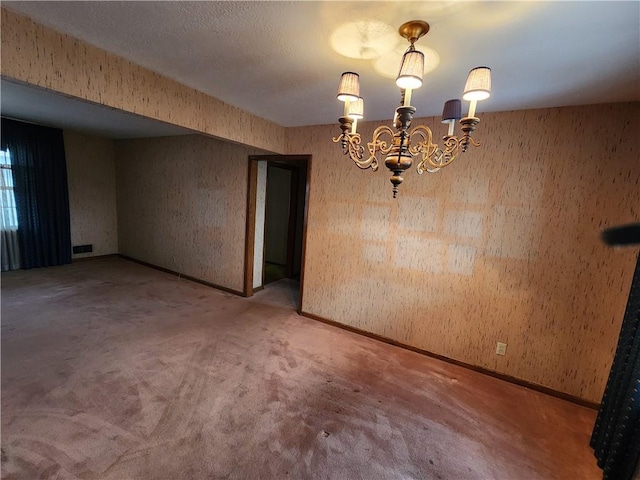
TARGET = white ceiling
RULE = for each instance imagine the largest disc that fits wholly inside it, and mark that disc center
(276, 60)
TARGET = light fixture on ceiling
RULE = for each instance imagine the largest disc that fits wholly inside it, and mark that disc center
(400, 149)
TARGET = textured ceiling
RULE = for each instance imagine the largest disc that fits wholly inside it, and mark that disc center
(278, 60)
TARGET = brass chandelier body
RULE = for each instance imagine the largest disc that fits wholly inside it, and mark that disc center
(400, 144)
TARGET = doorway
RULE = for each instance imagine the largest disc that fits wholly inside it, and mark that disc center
(276, 223)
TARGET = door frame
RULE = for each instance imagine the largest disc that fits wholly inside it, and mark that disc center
(250, 232)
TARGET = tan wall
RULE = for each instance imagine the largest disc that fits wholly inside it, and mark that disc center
(502, 245)
(182, 205)
(91, 176)
(37, 55)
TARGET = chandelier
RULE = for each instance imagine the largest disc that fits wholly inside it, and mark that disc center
(401, 145)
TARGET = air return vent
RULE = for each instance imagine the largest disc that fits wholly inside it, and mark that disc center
(82, 249)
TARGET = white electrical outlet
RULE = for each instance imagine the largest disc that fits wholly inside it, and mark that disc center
(501, 348)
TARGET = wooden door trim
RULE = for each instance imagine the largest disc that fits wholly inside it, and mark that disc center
(305, 223)
(250, 230)
(279, 160)
(292, 221)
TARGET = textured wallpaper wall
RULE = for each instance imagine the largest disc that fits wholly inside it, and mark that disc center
(34, 54)
(182, 205)
(91, 175)
(502, 245)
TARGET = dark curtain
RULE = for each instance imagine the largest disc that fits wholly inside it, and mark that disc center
(42, 198)
(616, 435)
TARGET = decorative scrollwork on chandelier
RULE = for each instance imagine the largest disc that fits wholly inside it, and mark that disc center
(399, 146)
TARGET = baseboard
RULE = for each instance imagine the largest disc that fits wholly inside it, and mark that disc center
(181, 275)
(491, 373)
(94, 257)
(257, 289)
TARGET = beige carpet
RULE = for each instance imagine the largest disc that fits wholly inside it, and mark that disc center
(111, 370)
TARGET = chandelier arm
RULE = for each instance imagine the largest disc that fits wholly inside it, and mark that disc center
(375, 146)
(469, 140)
(426, 145)
(452, 148)
(468, 125)
(431, 163)
(351, 145)
(431, 154)
(340, 138)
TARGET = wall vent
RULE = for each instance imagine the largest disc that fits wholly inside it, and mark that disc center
(82, 249)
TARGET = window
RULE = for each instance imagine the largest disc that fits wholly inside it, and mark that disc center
(9, 215)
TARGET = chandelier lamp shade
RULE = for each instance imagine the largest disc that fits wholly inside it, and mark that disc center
(411, 69)
(356, 109)
(401, 143)
(349, 88)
